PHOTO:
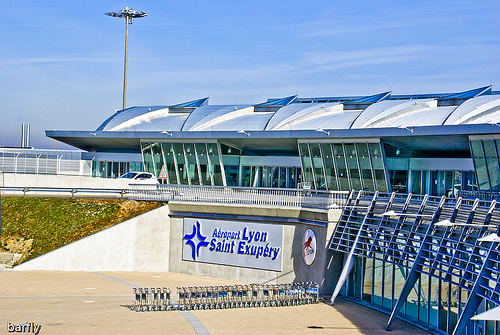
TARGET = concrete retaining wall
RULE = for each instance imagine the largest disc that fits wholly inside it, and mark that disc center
(40, 180)
(139, 244)
(154, 242)
(294, 268)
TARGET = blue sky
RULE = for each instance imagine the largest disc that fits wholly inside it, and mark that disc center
(61, 62)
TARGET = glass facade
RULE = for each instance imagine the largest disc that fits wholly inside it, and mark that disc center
(324, 165)
(231, 161)
(431, 275)
(184, 163)
(107, 169)
(404, 179)
(343, 166)
(486, 155)
(212, 164)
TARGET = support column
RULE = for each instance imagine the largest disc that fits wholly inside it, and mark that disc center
(351, 259)
(474, 298)
(416, 268)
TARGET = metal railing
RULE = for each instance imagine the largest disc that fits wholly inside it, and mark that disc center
(58, 192)
(483, 195)
(212, 194)
(239, 195)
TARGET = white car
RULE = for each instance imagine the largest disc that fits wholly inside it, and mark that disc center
(140, 178)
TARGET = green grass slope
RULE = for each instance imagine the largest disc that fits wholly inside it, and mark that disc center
(34, 226)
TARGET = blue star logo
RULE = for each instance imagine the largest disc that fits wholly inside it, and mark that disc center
(201, 240)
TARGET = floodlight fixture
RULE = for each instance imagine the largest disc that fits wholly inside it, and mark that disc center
(405, 127)
(393, 213)
(390, 213)
(321, 130)
(128, 14)
(493, 123)
(490, 238)
(243, 132)
(448, 223)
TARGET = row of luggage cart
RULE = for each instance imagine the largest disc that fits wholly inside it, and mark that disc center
(221, 297)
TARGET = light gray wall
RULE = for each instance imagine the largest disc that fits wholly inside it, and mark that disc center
(154, 241)
(294, 269)
(40, 180)
(139, 244)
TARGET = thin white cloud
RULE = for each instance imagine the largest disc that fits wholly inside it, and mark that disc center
(327, 28)
(438, 54)
(363, 57)
(42, 60)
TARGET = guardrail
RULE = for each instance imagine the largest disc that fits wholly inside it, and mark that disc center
(190, 193)
(239, 195)
(58, 192)
(483, 195)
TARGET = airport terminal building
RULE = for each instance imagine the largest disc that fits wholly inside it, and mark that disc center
(416, 232)
(422, 144)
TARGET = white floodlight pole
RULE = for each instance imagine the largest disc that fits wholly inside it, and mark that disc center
(125, 63)
(128, 14)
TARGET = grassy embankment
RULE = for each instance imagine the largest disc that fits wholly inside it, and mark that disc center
(35, 226)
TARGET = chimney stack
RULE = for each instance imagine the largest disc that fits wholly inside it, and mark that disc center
(25, 137)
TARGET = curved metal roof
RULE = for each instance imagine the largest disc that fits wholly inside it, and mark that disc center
(477, 110)
(197, 116)
(378, 113)
(125, 115)
(287, 117)
(477, 106)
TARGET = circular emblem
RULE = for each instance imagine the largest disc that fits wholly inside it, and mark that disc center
(309, 247)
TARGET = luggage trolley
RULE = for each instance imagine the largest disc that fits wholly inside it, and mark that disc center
(312, 293)
(209, 300)
(225, 297)
(296, 294)
(266, 295)
(254, 300)
(165, 302)
(204, 297)
(247, 295)
(302, 293)
(281, 295)
(144, 301)
(315, 292)
(149, 299)
(232, 294)
(289, 294)
(221, 297)
(155, 299)
(215, 297)
(240, 302)
(192, 298)
(138, 299)
(196, 302)
(235, 296)
(275, 295)
(183, 293)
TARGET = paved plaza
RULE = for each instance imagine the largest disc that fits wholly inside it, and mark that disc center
(96, 303)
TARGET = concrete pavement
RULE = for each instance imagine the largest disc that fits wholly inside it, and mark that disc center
(95, 303)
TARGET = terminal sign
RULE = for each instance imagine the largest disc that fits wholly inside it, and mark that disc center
(245, 244)
(309, 247)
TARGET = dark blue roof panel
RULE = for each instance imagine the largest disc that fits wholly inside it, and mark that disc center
(278, 102)
(192, 104)
(469, 94)
(370, 99)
